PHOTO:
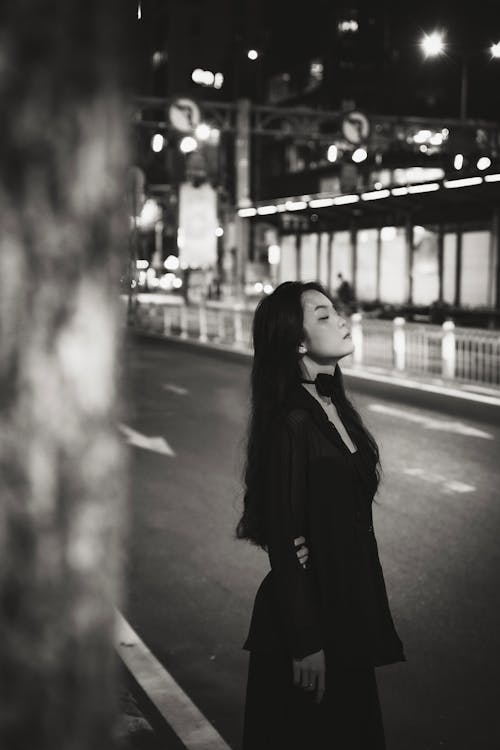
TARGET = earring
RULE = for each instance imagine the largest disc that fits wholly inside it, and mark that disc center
(302, 349)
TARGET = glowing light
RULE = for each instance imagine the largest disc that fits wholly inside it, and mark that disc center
(492, 178)
(214, 136)
(429, 187)
(458, 161)
(483, 163)
(359, 155)
(378, 186)
(244, 212)
(166, 281)
(258, 286)
(466, 182)
(342, 200)
(177, 283)
(252, 54)
(321, 203)
(375, 195)
(218, 81)
(348, 25)
(433, 44)
(139, 11)
(399, 191)
(422, 136)
(142, 264)
(274, 254)
(264, 210)
(388, 233)
(332, 153)
(295, 205)
(268, 288)
(157, 142)
(219, 232)
(188, 144)
(171, 263)
(202, 132)
(149, 215)
(495, 49)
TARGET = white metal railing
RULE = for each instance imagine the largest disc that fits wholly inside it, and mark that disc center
(466, 355)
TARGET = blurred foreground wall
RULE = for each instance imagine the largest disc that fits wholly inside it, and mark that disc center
(63, 152)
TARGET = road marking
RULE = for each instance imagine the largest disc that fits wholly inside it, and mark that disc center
(175, 389)
(430, 423)
(455, 486)
(450, 485)
(160, 688)
(138, 440)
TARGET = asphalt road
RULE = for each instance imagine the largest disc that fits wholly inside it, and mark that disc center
(191, 584)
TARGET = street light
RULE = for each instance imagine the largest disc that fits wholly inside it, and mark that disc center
(433, 44)
(157, 142)
(188, 144)
(359, 155)
(495, 50)
(252, 54)
(202, 131)
(484, 162)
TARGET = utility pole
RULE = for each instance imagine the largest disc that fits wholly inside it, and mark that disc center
(243, 177)
(63, 236)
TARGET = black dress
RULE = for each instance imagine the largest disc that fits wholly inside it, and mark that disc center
(316, 488)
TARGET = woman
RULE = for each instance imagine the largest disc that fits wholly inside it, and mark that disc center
(321, 620)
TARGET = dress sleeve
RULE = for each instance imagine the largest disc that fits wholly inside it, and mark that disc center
(296, 590)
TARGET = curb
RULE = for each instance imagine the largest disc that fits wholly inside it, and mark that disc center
(172, 714)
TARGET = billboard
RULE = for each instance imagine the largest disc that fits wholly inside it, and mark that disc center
(197, 239)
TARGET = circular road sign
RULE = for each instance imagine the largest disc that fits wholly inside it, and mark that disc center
(355, 127)
(184, 115)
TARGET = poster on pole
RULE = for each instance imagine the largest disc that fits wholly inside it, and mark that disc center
(197, 239)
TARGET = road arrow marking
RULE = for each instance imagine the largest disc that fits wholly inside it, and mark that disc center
(430, 423)
(138, 440)
(175, 389)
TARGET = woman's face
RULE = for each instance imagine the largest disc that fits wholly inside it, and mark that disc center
(325, 329)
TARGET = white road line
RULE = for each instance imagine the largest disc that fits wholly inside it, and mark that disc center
(175, 389)
(450, 485)
(174, 705)
(455, 486)
(430, 423)
(138, 440)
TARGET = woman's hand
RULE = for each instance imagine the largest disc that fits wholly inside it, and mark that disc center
(309, 674)
(301, 550)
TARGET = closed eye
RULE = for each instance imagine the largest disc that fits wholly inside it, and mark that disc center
(323, 318)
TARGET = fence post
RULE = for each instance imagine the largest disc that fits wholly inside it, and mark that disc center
(221, 328)
(202, 317)
(357, 337)
(238, 328)
(167, 320)
(184, 321)
(448, 351)
(399, 343)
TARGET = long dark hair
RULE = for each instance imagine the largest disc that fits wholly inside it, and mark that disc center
(278, 329)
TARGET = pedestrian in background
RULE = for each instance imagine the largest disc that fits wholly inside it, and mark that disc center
(321, 620)
(345, 295)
